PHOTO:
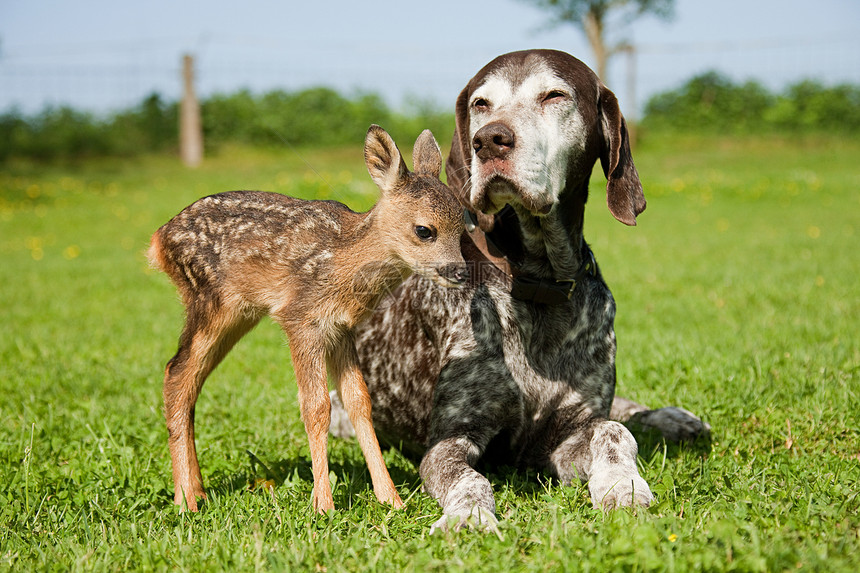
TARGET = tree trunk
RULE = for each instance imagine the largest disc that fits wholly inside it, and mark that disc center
(593, 24)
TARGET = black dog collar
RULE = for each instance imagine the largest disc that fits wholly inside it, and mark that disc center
(547, 291)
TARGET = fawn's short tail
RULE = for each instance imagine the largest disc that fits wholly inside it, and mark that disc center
(155, 253)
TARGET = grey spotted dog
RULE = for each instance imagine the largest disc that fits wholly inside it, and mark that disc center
(519, 365)
(317, 268)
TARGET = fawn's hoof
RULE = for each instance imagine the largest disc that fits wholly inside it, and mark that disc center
(188, 503)
(394, 502)
(323, 504)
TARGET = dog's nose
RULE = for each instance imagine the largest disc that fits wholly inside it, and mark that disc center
(493, 141)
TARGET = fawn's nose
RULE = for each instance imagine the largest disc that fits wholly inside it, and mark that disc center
(493, 141)
(455, 273)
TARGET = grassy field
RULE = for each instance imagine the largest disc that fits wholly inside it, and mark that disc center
(737, 296)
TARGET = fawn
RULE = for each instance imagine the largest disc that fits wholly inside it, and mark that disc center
(317, 268)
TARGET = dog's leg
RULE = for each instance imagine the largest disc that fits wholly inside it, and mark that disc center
(343, 363)
(465, 495)
(207, 337)
(341, 425)
(603, 453)
(675, 424)
(467, 413)
(623, 409)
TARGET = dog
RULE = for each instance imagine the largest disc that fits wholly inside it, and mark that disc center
(519, 366)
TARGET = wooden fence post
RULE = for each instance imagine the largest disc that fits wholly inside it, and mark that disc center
(190, 126)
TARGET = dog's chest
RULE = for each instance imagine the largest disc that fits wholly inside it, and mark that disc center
(558, 356)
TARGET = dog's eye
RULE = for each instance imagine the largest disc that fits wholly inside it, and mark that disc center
(554, 96)
(481, 104)
(425, 233)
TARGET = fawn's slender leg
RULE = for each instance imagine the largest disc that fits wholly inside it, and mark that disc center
(206, 339)
(356, 401)
(308, 353)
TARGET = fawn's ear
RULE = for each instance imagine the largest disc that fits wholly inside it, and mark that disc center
(623, 188)
(384, 161)
(426, 155)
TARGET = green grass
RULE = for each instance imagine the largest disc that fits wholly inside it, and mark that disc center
(737, 297)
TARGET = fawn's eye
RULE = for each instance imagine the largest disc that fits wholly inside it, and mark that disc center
(425, 233)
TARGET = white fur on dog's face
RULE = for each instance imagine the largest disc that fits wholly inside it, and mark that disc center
(541, 110)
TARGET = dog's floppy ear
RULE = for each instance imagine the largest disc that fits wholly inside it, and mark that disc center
(457, 168)
(623, 188)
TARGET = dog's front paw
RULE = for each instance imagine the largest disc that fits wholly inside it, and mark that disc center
(675, 424)
(614, 490)
(475, 518)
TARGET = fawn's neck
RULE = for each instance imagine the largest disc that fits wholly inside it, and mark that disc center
(366, 264)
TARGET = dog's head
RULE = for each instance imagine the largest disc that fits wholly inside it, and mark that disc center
(531, 125)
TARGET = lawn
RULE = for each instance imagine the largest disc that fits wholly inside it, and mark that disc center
(737, 299)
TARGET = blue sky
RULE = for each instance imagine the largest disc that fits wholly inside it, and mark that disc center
(103, 55)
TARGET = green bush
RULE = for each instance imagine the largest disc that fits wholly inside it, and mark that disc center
(12, 129)
(151, 126)
(711, 102)
(55, 132)
(809, 105)
(316, 116)
(64, 133)
(312, 117)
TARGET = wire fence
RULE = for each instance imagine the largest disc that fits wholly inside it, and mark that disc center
(104, 79)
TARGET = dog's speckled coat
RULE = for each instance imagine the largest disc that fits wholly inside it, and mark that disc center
(472, 373)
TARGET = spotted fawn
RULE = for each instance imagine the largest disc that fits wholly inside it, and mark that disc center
(317, 268)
